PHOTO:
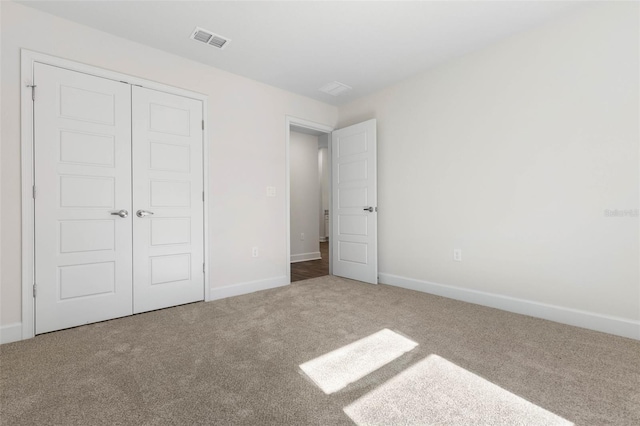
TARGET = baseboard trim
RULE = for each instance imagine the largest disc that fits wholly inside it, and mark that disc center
(324, 239)
(10, 333)
(247, 287)
(590, 320)
(304, 257)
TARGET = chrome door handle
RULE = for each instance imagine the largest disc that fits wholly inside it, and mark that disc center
(121, 213)
(368, 209)
(143, 213)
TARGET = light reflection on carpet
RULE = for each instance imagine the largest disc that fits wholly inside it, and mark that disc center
(437, 392)
(335, 370)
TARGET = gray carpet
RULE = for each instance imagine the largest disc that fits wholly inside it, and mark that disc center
(236, 361)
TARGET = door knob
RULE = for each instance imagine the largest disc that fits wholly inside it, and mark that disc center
(121, 213)
(368, 209)
(143, 213)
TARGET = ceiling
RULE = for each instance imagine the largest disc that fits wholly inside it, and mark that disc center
(301, 46)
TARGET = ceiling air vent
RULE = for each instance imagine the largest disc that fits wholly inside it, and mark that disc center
(206, 36)
(335, 88)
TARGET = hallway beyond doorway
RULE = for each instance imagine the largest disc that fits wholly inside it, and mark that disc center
(313, 268)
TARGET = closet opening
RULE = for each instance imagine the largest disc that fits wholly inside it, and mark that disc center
(114, 182)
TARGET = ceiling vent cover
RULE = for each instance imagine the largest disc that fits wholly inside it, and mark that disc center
(335, 88)
(210, 38)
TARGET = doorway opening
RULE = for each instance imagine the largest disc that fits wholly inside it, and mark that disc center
(309, 189)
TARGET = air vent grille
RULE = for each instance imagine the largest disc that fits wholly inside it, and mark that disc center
(210, 38)
(202, 36)
(335, 88)
(217, 41)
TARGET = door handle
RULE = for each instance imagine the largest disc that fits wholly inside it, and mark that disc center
(368, 209)
(143, 213)
(121, 213)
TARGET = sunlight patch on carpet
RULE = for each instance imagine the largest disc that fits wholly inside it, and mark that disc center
(337, 369)
(436, 391)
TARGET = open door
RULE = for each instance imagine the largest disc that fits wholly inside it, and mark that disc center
(354, 199)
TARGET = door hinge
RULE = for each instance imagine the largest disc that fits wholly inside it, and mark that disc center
(33, 194)
(33, 91)
(202, 124)
(203, 196)
(34, 289)
(203, 268)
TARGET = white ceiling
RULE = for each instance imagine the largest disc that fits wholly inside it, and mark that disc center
(300, 46)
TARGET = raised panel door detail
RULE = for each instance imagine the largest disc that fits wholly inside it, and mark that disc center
(170, 268)
(167, 231)
(352, 224)
(354, 202)
(82, 169)
(353, 171)
(352, 197)
(168, 119)
(166, 193)
(352, 144)
(168, 181)
(86, 235)
(87, 105)
(169, 157)
(87, 192)
(352, 252)
(91, 279)
(86, 148)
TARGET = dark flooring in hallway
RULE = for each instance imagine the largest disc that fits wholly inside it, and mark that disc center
(313, 268)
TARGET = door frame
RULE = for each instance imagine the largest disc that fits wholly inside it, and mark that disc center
(27, 60)
(311, 125)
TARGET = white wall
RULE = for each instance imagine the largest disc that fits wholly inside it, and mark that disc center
(247, 134)
(304, 197)
(513, 154)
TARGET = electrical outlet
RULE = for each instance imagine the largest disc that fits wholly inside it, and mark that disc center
(302, 236)
(254, 252)
(271, 191)
(457, 255)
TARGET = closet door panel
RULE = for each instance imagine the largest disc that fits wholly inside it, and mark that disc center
(83, 255)
(168, 229)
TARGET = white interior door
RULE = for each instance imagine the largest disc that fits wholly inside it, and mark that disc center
(168, 235)
(354, 237)
(83, 179)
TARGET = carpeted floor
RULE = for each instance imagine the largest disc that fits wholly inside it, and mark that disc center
(236, 361)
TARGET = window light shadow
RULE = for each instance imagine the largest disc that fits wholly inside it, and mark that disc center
(335, 370)
(436, 391)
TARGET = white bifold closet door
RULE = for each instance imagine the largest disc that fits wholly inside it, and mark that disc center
(105, 150)
(168, 200)
(83, 266)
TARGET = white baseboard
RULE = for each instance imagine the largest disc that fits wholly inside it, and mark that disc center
(11, 333)
(590, 320)
(247, 287)
(324, 239)
(303, 257)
